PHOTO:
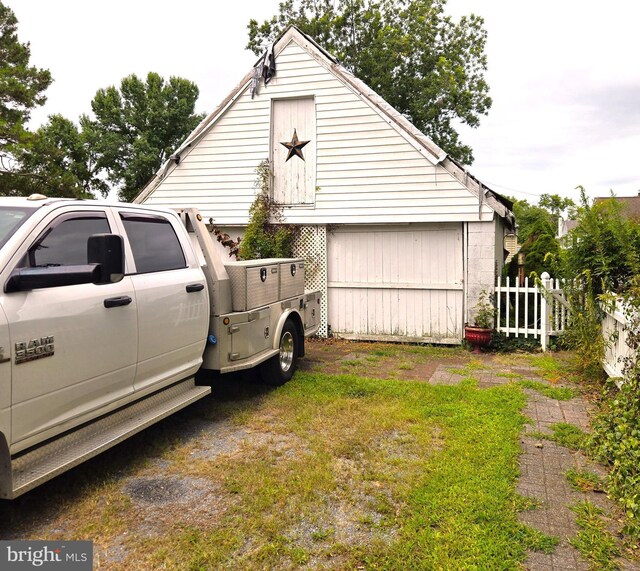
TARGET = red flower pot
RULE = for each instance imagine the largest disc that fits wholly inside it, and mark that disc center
(478, 337)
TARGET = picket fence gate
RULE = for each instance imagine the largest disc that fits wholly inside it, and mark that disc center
(540, 310)
(536, 310)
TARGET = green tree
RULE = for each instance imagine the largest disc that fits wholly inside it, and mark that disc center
(556, 204)
(605, 244)
(419, 60)
(537, 228)
(21, 90)
(61, 161)
(137, 127)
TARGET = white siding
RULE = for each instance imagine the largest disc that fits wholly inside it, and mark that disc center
(397, 282)
(368, 171)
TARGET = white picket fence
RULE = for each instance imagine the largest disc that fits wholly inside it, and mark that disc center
(531, 310)
(615, 335)
(541, 311)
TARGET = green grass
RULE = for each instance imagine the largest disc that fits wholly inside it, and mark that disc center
(584, 481)
(384, 352)
(556, 393)
(595, 543)
(434, 351)
(564, 434)
(511, 376)
(569, 436)
(468, 369)
(377, 475)
(352, 362)
(550, 366)
(332, 472)
(436, 467)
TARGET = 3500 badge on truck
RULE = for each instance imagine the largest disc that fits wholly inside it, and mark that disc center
(34, 349)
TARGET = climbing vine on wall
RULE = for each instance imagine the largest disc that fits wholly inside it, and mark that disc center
(266, 235)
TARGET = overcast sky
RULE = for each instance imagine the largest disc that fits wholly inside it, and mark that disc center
(564, 76)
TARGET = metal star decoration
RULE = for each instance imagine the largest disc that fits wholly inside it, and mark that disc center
(295, 146)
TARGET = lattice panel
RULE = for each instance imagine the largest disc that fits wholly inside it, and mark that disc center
(312, 246)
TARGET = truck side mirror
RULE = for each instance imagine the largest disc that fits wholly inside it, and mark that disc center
(107, 250)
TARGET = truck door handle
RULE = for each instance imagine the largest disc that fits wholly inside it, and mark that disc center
(117, 301)
(194, 287)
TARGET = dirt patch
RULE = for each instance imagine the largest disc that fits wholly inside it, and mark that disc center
(159, 490)
(378, 360)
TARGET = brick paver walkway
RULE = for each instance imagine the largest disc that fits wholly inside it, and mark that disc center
(543, 465)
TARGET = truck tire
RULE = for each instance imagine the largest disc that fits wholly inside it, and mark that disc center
(280, 368)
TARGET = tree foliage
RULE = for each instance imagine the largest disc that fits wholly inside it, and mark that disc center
(537, 224)
(604, 254)
(138, 126)
(556, 204)
(424, 64)
(606, 244)
(22, 89)
(600, 256)
(536, 252)
(134, 130)
(541, 218)
(61, 161)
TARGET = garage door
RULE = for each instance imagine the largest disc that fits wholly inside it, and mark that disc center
(396, 282)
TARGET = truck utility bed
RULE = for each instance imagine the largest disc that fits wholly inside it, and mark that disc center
(107, 312)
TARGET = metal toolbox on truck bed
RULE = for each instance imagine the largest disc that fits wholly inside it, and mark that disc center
(291, 277)
(254, 283)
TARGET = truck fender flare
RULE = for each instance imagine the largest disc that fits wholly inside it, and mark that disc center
(294, 315)
(6, 474)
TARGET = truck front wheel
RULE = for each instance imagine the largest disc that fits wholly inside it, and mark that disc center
(280, 368)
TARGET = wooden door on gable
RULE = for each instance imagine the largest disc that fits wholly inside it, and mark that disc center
(293, 151)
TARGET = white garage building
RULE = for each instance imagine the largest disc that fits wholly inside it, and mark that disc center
(400, 238)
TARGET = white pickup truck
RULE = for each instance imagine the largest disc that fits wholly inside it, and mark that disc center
(107, 312)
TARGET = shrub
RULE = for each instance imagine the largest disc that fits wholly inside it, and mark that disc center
(616, 434)
(604, 253)
(266, 236)
(503, 344)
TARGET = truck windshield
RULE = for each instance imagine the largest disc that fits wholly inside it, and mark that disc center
(10, 220)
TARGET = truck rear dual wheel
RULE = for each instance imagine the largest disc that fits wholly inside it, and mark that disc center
(280, 368)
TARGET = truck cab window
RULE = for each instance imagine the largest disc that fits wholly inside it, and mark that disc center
(64, 242)
(10, 220)
(154, 243)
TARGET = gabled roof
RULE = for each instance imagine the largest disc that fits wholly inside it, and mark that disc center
(432, 151)
(629, 205)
